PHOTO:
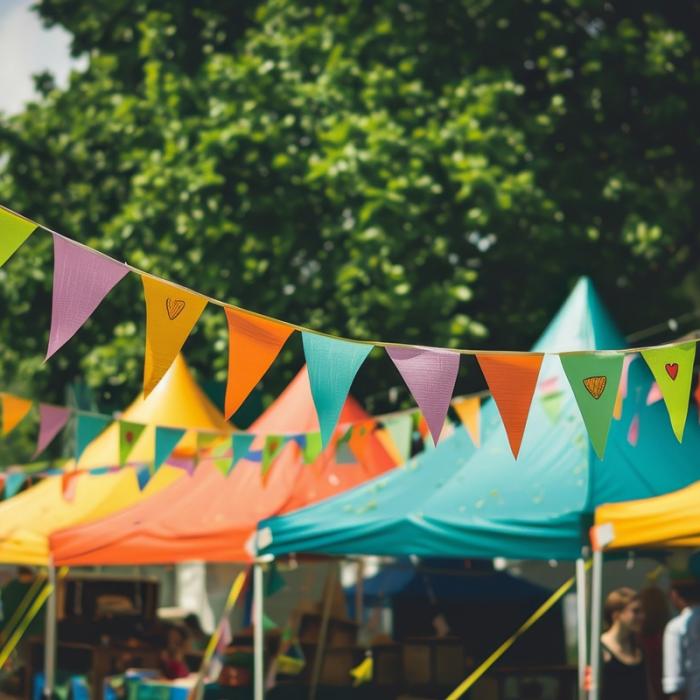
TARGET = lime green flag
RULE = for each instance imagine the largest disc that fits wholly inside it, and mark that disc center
(273, 446)
(594, 379)
(14, 230)
(312, 447)
(672, 368)
(129, 433)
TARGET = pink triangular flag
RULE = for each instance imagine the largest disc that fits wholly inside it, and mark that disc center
(633, 432)
(82, 278)
(430, 375)
(51, 421)
(654, 394)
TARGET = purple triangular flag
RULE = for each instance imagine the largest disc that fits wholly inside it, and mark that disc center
(82, 278)
(430, 375)
(51, 421)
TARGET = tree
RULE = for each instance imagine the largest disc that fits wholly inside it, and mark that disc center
(428, 172)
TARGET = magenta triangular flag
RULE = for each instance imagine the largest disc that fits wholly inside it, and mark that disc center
(51, 421)
(430, 375)
(82, 278)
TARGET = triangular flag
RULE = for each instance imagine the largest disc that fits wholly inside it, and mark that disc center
(14, 410)
(358, 441)
(82, 278)
(166, 441)
(312, 447)
(363, 673)
(129, 433)
(430, 375)
(171, 313)
(268, 623)
(275, 581)
(52, 419)
(512, 380)
(274, 444)
(332, 366)
(552, 404)
(633, 432)
(14, 230)
(143, 476)
(672, 368)
(87, 428)
(594, 379)
(242, 442)
(69, 485)
(696, 395)
(254, 343)
(206, 441)
(622, 391)
(469, 411)
(344, 455)
(654, 395)
(401, 429)
(13, 483)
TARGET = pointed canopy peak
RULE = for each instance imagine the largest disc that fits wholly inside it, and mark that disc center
(293, 410)
(582, 323)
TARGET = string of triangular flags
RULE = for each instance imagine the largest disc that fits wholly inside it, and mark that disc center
(83, 277)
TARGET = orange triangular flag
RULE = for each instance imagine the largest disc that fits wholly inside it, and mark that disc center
(171, 313)
(254, 343)
(14, 409)
(512, 380)
(469, 412)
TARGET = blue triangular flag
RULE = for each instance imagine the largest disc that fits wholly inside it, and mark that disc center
(143, 476)
(241, 447)
(13, 483)
(332, 366)
(166, 440)
(87, 428)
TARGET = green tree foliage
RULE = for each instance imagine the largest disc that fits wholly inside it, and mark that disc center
(428, 171)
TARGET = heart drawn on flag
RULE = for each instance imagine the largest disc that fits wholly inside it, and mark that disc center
(672, 370)
(174, 307)
(595, 386)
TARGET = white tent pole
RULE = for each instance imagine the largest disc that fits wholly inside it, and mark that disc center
(259, 687)
(50, 634)
(596, 620)
(581, 625)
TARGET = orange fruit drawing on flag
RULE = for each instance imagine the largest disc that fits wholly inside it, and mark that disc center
(174, 307)
(595, 386)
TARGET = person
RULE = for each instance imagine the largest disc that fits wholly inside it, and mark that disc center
(197, 637)
(656, 614)
(172, 660)
(681, 648)
(624, 675)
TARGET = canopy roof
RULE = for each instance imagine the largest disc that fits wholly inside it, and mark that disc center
(461, 502)
(212, 518)
(671, 520)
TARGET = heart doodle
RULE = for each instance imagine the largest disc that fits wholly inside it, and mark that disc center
(174, 307)
(672, 370)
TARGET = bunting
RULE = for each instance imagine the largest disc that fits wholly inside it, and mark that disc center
(401, 429)
(274, 444)
(87, 428)
(13, 483)
(624, 380)
(171, 313)
(469, 412)
(143, 476)
(14, 230)
(312, 448)
(672, 367)
(594, 379)
(69, 485)
(430, 375)
(332, 365)
(129, 433)
(166, 441)
(254, 343)
(14, 411)
(52, 419)
(241, 442)
(512, 380)
(82, 278)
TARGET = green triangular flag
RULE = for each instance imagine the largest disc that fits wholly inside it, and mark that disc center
(204, 441)
(166, 441)
(268, 623)
(401, 429)
(551, 405)
(672, 368)
(87, 428)
(275, 582)
(14, 231)
(273, 446)
(129, 433)
(312, 448)
(594, 379)
(241, 446)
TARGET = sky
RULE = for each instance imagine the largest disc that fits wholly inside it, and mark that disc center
(26, 48)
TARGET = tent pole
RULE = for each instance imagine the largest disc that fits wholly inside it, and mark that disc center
(596, 620)
(331, 580)
(259, 689)
(581, 626)
(50, 634)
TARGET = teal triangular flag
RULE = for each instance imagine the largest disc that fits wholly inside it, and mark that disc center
(241, 446)
(143, 476)
(87, 428)
(166, 440)
(332, 366)
(594, 379)
(13, 483)
(275, 582)
(401, 429)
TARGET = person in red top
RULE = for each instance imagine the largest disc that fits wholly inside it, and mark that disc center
(172, 660)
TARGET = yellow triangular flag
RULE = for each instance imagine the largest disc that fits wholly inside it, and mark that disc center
(469, 412)
(171, 313)
(14, 409)
(14, 230)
